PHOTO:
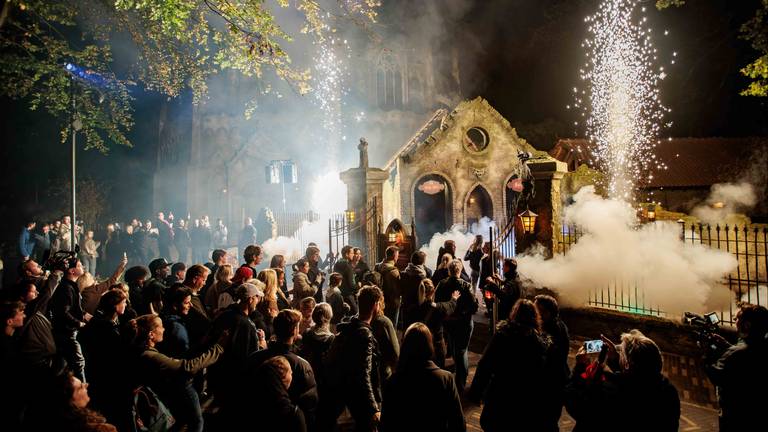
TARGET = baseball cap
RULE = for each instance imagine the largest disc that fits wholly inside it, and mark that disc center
(249, 290)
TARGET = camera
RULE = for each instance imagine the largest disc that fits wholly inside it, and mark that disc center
(704, 327)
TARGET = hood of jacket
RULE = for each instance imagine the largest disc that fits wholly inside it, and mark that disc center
(416, 270)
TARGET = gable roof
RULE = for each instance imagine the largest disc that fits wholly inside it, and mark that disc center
(691, 162)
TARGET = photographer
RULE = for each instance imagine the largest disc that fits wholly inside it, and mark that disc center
(740, 373)
(68, 315)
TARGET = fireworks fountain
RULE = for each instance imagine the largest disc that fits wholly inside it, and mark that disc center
(624, 112)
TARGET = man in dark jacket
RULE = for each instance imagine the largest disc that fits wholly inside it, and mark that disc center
(68, 315)
(347, 272)
(165, 236)
(153, 290)
(556, 363)
(353, 369)
(412, 286)
(26, 241)
(740, 373)
(459, 324)
(390, 283)
(247, 235)
(303, 389)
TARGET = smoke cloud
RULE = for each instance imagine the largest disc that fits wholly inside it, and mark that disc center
(667, 273)
(725, 199)
(458, 234)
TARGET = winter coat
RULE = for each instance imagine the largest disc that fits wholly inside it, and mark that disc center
(277, 411)
(389, 347)
(390, 286)
(301, 288)
(348, 284)
(509, 375)
(466, 305)
(26, 243)
(412, 290)
(66, 308)
(422, 399)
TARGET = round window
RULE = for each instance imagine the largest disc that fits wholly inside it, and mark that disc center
(476, 139)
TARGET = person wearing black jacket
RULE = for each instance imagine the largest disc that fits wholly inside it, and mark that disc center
(740, 372)
(270, 395)
(348, 284)
(509, 375)
(420, 396)
(303, 389)
(474, 255)
(600, 394)
(459, 324)
(507, 290)
(352, 364)
(433, 315)
(558, 371)
(68, 317)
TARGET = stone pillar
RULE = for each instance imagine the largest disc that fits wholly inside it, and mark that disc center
(547, 203)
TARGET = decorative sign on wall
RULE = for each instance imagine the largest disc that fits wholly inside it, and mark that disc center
(431, 187)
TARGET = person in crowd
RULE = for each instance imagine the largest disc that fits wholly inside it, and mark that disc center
(104, 341)
(222, 282)
(316, 341)
(129, 242)
(386, 338)
(37, 344)
(488, 270)
(739, 370)
(220, 235)
(253, 257)
(91, 291)
(90, 253)
(441, 272)
(449, 247)
(433, 315)
(507, 290)
(459, 324)
(349, 287)
(68, 317)
(153, 290)
(306, 306)
(227, 297)
(474, 255)
(630, 378)
(200, 240)
(171, 378)
(303, 389)
(26, 241)
(418, 387)
(42, 240)
(219, 257)
(390, 283)
(114, 246)
(360, 266)
(271, 394)
(247, 235)
(302, 288)
(517, 346)
(164, 236)
(62, 405)
(176, 341)
(315, 275)
(558, 372)
(54, 236)
(135, 278)
(352, 365)
(412, 286)
(278, 262)
(178, 272)
(150, 246)
(181, 240)
(268, 307)
(335, 300)
(12, 317)
(225, 378)
(11, 405)
(198, 321)
(282, 297)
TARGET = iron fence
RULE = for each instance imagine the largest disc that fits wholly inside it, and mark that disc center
(359, 228)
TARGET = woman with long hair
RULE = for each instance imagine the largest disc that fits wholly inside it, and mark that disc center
(278, 262)
(268, 305)
(474, 255)
(442, 269)
(169, 377)
(518, 345)
(418, 387)
(222, 281)
(282, 299)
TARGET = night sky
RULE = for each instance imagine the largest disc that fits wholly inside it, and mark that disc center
(523, 56)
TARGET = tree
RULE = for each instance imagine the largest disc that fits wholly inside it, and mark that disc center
(180, 43)
(756, 32)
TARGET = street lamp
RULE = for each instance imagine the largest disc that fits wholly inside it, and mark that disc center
(350, 216)
(392, 237)
(528, 219)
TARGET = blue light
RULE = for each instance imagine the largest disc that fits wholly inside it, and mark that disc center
(86, 75)
(70, 67)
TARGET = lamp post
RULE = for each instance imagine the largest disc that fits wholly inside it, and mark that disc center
(349, 215)
(528, 219)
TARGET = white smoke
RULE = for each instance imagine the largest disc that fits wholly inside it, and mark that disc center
(667, 273)
(329, 194)
(725, 199)
(294, 247)
(458, 234)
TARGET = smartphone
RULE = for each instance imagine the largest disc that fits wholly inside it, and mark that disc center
(712, 318)
(593, 346)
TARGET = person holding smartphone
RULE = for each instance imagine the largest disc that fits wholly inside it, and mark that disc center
(624, 378)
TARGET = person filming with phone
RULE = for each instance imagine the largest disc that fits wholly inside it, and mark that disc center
(739, 371)
(624, 378)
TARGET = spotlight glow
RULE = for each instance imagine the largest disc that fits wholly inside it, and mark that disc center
(624, 111)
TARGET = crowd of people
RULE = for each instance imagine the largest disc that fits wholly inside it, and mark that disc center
(221, 346)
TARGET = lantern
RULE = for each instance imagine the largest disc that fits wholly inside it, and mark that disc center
(392, 237)
(528, 219)
(651, 215)
(350, 216)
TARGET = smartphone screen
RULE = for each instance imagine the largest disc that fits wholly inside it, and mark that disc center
(712, 318)
(593, 346)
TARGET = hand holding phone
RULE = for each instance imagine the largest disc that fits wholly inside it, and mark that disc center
(593, 346)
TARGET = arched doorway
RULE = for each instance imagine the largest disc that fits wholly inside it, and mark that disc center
(478, 205)
(432, 198)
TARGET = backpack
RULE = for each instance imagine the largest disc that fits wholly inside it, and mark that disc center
(149, 413)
